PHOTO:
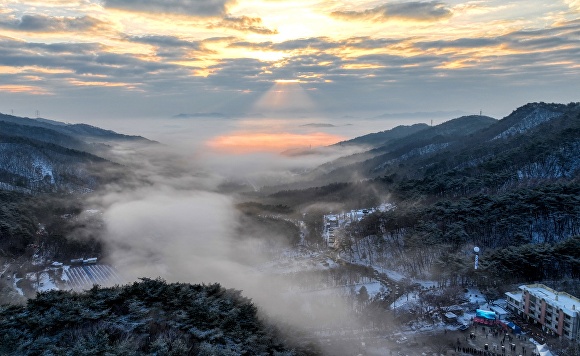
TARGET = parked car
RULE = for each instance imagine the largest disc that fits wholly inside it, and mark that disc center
(464, 327)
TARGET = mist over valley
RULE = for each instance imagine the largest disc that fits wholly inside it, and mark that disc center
(346, 245)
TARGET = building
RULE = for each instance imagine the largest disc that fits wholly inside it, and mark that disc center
(556, 312)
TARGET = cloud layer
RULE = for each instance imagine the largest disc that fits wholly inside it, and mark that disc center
(43, 23)
(417, 11)
(184, 7)
(162, 58)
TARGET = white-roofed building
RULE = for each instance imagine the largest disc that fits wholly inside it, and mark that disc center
(556, 312)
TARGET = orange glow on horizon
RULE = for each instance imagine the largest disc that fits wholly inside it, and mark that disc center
(24, 89)
(240, 143)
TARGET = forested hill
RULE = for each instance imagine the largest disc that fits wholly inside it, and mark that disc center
(511, 188)
(150, 317)
(39, 155)
(73, 130)
(537, 140)
(535, 145)
(381, 138)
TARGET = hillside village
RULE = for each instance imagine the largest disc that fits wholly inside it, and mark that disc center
(457, 239)
(534, 317)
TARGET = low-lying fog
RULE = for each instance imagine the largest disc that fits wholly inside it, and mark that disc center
(173, 222)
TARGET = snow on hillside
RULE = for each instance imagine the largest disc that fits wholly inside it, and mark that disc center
(535, 118)
(561, 164)
(42, 169)
(420, 151)
(434, 147)
(25, 161)
(6, 186)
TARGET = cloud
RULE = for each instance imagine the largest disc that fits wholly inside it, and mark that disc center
(23, 89)
(236, 72)
(417, 11)
(546, 40)
(244, 24)
(81, 64)
(170, 47)
(165, 41)
(573, 4)
(201, 8)
(43, 23)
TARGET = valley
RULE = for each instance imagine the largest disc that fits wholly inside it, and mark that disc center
(370, 253)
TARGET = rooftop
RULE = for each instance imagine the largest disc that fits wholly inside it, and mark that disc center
(562, 300)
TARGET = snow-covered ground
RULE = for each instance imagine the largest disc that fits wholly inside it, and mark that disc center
(15, 284)
(41, 281)
(59, 276)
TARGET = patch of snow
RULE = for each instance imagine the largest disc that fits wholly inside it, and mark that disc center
(43, 169)
(6, 186)
(386, 207)
(475, 296)
(64, 276)
(562, 164)
(4, 268)
(394, 275)
(14, 284)
(373, 288)
(535, 118)
(421, 151)
(45, 283)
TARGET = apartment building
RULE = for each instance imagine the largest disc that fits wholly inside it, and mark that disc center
(556, 312)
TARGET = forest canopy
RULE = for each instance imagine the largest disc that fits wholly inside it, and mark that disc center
(149, 317)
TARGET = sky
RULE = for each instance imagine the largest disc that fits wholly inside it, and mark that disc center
(87, 60)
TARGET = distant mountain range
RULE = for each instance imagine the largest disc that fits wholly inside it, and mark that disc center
(536, 141)
(45, 155)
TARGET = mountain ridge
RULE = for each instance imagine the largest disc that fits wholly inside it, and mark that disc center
(45, 155)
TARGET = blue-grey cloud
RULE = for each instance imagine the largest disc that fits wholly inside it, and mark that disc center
(165, 41)
(414, 10)
(43, 23)
(546, 40)
(80, 59)
(180, 7)
(244, 24)
(171, 47)
(312, 43)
